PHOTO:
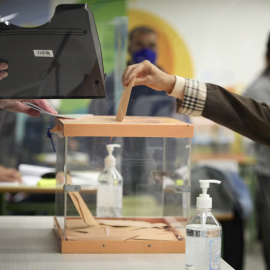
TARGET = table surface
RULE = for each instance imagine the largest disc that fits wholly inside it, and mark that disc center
(238, 157)
(30, 243)
(40, 190)
(86, 179)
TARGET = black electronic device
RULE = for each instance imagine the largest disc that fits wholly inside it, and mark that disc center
(60, 59)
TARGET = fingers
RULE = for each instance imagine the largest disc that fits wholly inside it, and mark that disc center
(10, 175)
(3, 66)
(14, 176)
(17, 106)
(45, 105)
(129, 73)
(137, 70)
(20, 107)
(3, 74)
(42, 103)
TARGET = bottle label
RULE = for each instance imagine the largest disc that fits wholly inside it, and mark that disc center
(215, 254)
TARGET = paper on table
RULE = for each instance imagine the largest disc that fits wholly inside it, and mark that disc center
(99, 237)
(9, 184)
(108, 233)
(85, 178)
(26, 169)
(75, 223)
(142, 231)
(100, 233)
(112, 230)
(69, 116)
(128, 223)
(77, 230)
(124, 229)
(96, 230)
(123, 104)
(166, 236)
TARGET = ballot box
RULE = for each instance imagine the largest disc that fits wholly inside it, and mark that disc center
(144, 205)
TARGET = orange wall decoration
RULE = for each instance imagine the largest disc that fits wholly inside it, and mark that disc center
(173, 55)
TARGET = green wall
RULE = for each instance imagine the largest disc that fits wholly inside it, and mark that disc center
(104, 13)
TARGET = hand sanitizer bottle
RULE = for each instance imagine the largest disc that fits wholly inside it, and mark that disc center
(203, 234)
(110, 188)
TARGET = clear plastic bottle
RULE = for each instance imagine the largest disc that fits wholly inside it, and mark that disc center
(203, 235)
(110, 188)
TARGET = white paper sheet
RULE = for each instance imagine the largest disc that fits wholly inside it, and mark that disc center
(33, 170)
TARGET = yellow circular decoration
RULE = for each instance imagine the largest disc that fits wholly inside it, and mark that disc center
(173, 55)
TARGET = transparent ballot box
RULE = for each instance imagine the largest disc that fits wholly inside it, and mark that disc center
(126, 185)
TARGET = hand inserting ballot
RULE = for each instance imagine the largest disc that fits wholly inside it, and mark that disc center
(240, 114)
(148, 74)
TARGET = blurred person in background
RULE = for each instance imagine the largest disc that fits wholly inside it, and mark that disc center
(142, 45)
(144, 101)
(7, 131)
(260, 91)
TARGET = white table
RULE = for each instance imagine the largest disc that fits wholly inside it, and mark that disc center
(29, 243)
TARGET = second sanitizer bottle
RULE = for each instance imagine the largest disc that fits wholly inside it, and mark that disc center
(110, 187)
(203, 234)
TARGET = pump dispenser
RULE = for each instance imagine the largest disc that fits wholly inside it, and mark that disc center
(110, 159)
(203, 234)
(110, 187)
(204, 200)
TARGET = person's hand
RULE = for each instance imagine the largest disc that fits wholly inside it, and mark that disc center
(9, 175)
(149, 75)
(16, 105)
(3, 73)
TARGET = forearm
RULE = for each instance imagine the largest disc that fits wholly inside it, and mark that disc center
(243, 115)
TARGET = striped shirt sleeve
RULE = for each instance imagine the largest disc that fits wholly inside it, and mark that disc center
(194, 93)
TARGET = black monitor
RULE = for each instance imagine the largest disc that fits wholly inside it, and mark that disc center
(61, 59)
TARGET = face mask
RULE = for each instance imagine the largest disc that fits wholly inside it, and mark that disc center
(145, 54)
